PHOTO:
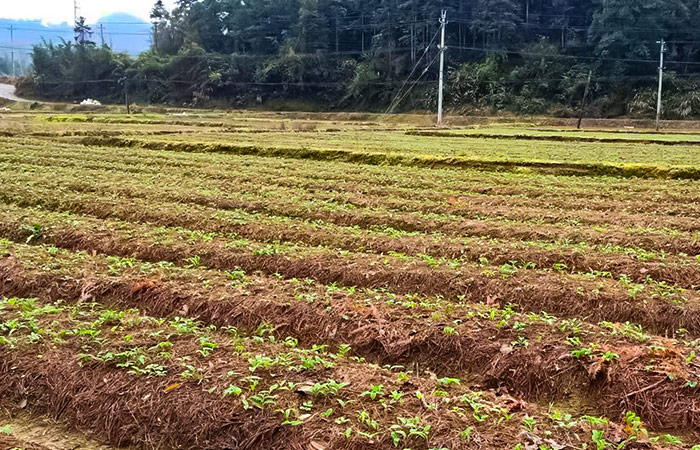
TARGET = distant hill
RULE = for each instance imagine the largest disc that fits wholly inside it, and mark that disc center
(123, 32)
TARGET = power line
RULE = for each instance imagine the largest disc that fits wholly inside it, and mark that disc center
(416, 82)
(429, 21)
(552, 27)
(592, 58)
(208, 56)
(409, 49)
(238, 84)
(69, 31)
(427, 48)
(377, 83)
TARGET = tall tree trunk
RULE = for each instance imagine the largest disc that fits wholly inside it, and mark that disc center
(527, 11)
(362, 32)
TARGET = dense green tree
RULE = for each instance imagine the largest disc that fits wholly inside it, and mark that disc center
(5, 65)
(524, 55)
(76, 71)
(83, 32)
(309, 33)
(629, 29)
(496, 21)
(160, 18)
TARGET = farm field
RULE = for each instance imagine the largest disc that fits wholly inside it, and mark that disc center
(244, 280)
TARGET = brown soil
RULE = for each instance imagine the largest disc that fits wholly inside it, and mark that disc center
(555, 138)
(172, 412)
(41, 433)
(531, 291)
(555, 168)
(113, 405)
(559, 212)
(365, 219)
(543, 370)
(353, 179)
(12, 443)
(680, 271)
(653, 376)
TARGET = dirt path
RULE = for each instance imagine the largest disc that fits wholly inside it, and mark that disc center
(7, 91)
(41, 433)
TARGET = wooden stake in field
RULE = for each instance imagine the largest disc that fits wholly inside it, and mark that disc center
(125, 80)
(583, 100)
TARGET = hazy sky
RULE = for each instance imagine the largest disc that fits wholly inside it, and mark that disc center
(57, 11)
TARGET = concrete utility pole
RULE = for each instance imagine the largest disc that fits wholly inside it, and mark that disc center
(12, 49)
(443, 49)
(661, 84)
(76, 11)
(102, 34)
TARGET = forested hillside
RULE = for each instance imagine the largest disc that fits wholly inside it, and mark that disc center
(526, 56)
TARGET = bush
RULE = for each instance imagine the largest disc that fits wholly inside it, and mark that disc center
(73, 72)
(480, 84)
(681, 99)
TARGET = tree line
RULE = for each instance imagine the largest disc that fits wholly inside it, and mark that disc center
(5, 65)
(527, 56)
